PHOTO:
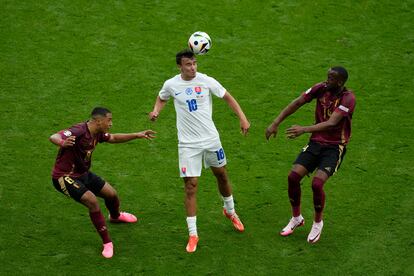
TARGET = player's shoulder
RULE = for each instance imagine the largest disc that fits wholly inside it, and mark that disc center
(348, 94)
(76, 130)
(203, 77)
(320, 86)
(104, 137)
(208, 80)
(316, 88)
(173, 80)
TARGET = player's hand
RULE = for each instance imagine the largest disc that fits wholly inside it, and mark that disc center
(295, 131)
(147, 134)
(68, 142)
(244, 127)
(153, 116)
(271, 130)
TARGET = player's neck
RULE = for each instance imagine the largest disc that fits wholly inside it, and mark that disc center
(186, 77)
(92, 128)
(338, 90)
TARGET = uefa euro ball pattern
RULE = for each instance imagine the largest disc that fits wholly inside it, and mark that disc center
(199, 43)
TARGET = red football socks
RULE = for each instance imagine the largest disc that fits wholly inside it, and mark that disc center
(99, 221)
(294, 192)
(318, 197)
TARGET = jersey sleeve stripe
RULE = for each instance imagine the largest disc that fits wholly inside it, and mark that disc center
(343, 108)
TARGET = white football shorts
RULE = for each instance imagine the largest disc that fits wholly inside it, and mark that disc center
(190, 159)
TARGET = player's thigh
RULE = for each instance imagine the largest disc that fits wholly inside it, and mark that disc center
(107, 191)
(74, 188)
(308, 158)
(300, 170)
(322, 175)
(219, 171)
(190, 161)
(215, 157)
(331, 159)
(89, 200)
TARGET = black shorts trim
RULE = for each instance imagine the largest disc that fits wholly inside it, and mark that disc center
(75, 187)
(327, 158)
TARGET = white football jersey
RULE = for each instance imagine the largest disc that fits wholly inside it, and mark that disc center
(193, 105)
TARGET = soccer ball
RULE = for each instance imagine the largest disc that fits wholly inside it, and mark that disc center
(199, 43)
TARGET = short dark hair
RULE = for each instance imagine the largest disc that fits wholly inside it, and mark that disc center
(186, 53)
(100, 112)
(341, 72)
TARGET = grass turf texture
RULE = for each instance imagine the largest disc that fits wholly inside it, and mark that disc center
(60, 59)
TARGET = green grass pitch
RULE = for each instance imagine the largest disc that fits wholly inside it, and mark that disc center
(59, 59)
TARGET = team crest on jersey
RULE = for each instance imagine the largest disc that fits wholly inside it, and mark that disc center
(67, 133)
(199, 92)
(189, 91)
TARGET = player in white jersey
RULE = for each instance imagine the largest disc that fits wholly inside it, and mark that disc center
(198, 139)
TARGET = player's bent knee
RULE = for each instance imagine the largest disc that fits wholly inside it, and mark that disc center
(90, 201)
(294, 178)
(317, 184)
(108, 191)
(190, 186)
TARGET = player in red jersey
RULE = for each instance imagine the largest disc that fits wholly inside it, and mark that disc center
(327, 146)
(71, 175)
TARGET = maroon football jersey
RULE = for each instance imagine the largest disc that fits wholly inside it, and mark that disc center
(75, 161)
(327, 103)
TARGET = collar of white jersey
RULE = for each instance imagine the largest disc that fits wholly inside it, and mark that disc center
(196, 76)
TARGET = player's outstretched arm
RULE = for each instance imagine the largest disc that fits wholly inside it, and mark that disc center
(125, 137)
(288, 110)
(58, 141)
(159, 105)
(234, 105)
(295, 131)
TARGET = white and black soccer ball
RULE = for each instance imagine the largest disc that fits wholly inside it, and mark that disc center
(199, 43)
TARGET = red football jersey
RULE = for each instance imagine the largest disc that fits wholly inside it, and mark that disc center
(328, 102)
(75, 161)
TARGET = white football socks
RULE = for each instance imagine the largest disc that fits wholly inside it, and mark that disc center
(229, 204)
(192, 225)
